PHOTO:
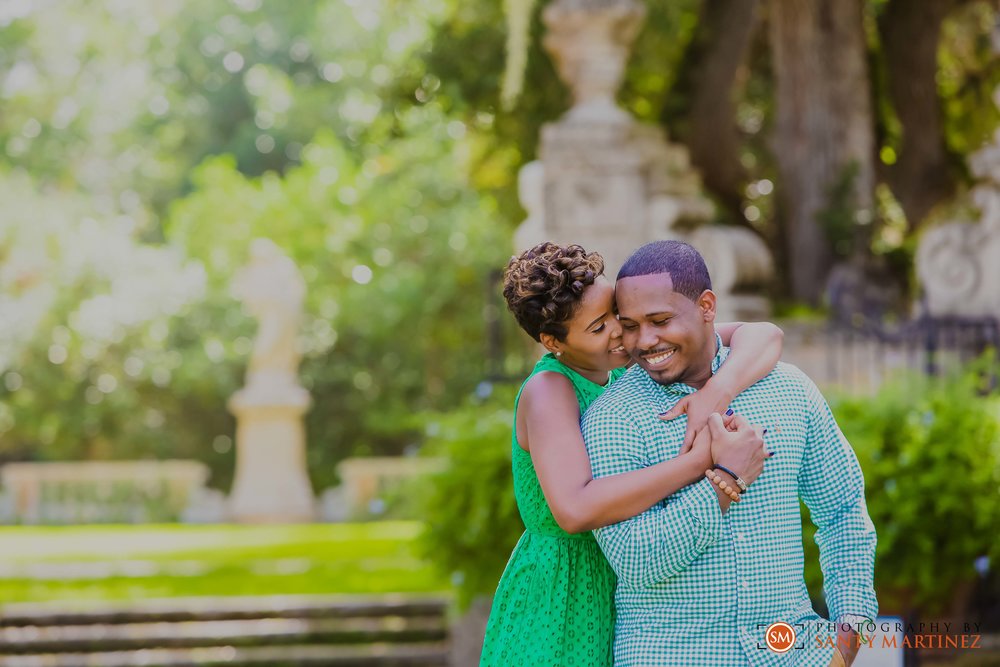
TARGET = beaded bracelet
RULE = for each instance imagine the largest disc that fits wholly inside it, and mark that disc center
(723, 484)
(739, 480)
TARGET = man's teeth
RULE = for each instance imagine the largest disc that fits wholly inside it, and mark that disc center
(620, 348)
(660, 358)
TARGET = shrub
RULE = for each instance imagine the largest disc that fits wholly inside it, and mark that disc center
(474, 522)
(930, 452)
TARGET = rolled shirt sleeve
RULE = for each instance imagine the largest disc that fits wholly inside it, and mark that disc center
(662, 541)
(833, 488)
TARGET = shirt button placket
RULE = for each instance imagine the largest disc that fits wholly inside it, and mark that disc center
(744, 600)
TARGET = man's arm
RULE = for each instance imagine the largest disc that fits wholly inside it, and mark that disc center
(665, 539)
(833, 488)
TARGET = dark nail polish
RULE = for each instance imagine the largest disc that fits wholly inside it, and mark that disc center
(664, 414)
(729, 412)
(770, 454)
(764, 432)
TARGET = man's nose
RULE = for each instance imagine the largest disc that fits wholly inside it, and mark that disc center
(647, 338)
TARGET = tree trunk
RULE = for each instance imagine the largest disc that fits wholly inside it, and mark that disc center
(707, 123)
(824, 133)
(922, 175)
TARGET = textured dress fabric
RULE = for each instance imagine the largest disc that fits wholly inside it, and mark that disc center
(554, 605)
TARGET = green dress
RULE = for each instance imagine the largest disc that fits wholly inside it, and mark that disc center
(554, 605)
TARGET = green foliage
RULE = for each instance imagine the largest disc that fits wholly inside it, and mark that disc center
(930, 452)
(133, 346)
(122, 100)
(475, 518)
(395, 251)
(97, 356)
(838, 218)
(968, 77)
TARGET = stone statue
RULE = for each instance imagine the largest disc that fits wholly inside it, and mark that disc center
(959, 263)
(272, 290)
(590, 42)
(611, 183)
(271, 483)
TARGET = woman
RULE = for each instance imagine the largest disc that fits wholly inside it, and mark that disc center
(555, 602)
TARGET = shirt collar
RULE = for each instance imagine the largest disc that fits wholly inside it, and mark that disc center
(721, 353)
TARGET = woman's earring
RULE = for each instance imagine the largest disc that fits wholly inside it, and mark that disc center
(558, 354)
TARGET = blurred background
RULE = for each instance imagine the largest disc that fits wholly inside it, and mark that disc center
(837, 161)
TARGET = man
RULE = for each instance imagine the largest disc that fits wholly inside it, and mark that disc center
(701, 578)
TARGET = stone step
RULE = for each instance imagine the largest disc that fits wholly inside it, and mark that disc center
(192, 634)
(221, 609)
(370, 655)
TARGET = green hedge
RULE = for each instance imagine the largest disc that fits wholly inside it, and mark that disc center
(930, 451)
(472, 519)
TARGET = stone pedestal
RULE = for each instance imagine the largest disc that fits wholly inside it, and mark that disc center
(271, 484)
(611, 184)
(595, 191)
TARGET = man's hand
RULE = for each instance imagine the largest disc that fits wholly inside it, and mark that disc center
(848, 643)
(741, 450)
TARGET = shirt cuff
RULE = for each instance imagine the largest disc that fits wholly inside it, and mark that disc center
(702, 503)
(857, 603)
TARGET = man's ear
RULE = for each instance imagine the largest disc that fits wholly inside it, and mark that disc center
(707, 303)
(549, 342)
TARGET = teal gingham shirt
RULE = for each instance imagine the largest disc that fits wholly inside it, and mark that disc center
(699, 587)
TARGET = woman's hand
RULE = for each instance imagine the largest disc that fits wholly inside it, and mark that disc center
(698, 406)
(700, 451)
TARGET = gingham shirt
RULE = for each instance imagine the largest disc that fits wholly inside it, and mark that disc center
(699, 587)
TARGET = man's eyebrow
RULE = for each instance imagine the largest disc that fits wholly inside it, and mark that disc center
(598, 319)
(648, 316)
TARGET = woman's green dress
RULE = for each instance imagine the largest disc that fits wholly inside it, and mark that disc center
(554, 605)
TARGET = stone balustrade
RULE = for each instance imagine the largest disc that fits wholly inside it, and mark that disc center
(368, 480)
(100, 491)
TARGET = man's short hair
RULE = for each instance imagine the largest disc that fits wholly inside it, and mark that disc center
(685, 265)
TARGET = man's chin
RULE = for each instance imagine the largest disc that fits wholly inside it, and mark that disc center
(663, 376)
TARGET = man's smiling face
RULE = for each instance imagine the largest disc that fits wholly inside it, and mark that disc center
(668, 334)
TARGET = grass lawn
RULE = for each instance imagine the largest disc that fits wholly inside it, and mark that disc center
(88, 563)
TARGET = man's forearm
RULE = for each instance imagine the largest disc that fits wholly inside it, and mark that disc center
(663, 541)
(847, 556)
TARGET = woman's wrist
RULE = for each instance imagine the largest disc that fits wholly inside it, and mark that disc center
(694, 465)
(725, 389)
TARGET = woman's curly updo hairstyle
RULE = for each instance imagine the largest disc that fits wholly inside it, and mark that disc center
(543, 286)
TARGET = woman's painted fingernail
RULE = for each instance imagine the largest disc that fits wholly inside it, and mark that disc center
(770, 454)
(764, 432)
(729, 412)
(664, 414)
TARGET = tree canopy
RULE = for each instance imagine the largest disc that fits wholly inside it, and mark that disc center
(145, 144)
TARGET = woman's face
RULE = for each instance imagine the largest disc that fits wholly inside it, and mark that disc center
(594, 338)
